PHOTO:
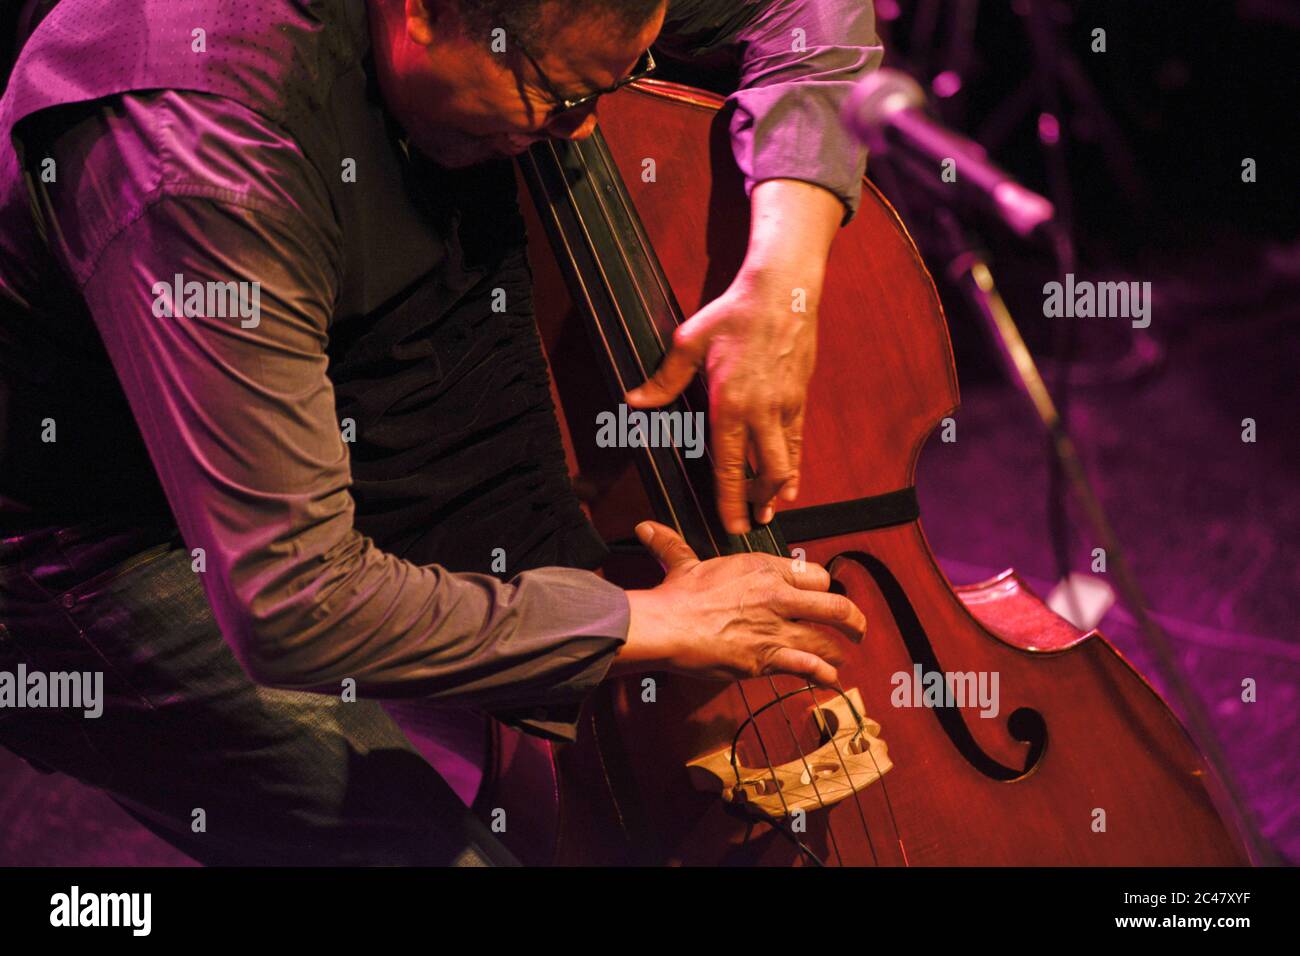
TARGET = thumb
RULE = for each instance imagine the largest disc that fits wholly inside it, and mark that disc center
(669, 547)
(673, 375)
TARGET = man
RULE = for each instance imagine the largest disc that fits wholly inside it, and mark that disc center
(263, 428)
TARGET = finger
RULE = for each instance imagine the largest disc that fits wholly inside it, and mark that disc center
(669, 547)
(673, 375)
(813, 640)
(821, 607)
(773, 457)
(729, 472)
(794, 449)
(804, 574)
(788, 660)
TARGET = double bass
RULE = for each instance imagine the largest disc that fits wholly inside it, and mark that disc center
(1083, 762)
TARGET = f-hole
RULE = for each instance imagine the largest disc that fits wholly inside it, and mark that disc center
(1024, 724)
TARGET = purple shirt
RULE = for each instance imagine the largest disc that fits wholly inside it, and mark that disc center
(240, 421)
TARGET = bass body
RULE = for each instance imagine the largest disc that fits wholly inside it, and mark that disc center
(1080, 763)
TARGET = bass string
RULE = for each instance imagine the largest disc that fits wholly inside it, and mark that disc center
(684, 474)
(664, 496)
(839, 756)
(675, 311)
(880, 777)
(682, 471)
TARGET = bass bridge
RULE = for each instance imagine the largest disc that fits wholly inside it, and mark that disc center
(850, 758)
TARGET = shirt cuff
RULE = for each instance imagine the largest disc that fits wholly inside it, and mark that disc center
(793, 131)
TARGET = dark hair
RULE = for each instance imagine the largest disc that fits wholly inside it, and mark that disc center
(522, 18)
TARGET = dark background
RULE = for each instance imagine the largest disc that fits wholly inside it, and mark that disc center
(1211, 524)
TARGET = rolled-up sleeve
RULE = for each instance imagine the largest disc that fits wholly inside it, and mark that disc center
(238, 416)
(798, 62)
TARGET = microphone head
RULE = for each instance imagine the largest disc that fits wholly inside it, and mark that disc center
(875, 99)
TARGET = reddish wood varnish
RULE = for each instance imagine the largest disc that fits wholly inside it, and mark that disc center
(884, 379)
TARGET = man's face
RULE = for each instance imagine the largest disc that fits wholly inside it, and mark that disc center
(463, 99)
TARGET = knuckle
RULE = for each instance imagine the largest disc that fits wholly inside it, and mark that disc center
(682, 339)
(807, 639)
(819, 574)
(764, 660)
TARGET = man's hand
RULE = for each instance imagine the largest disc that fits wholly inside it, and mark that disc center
(745, 615)
(757, 342)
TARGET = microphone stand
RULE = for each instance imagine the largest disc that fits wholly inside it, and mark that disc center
(969, 271)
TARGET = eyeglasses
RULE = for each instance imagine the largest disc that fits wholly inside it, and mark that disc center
(562, 104)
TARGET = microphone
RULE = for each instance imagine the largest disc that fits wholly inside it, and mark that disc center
(885, 112)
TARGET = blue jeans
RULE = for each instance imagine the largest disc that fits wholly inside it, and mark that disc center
(280, 777)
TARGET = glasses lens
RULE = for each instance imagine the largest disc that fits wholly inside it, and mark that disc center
(564, 122)
(571, 113)
(644, 66)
